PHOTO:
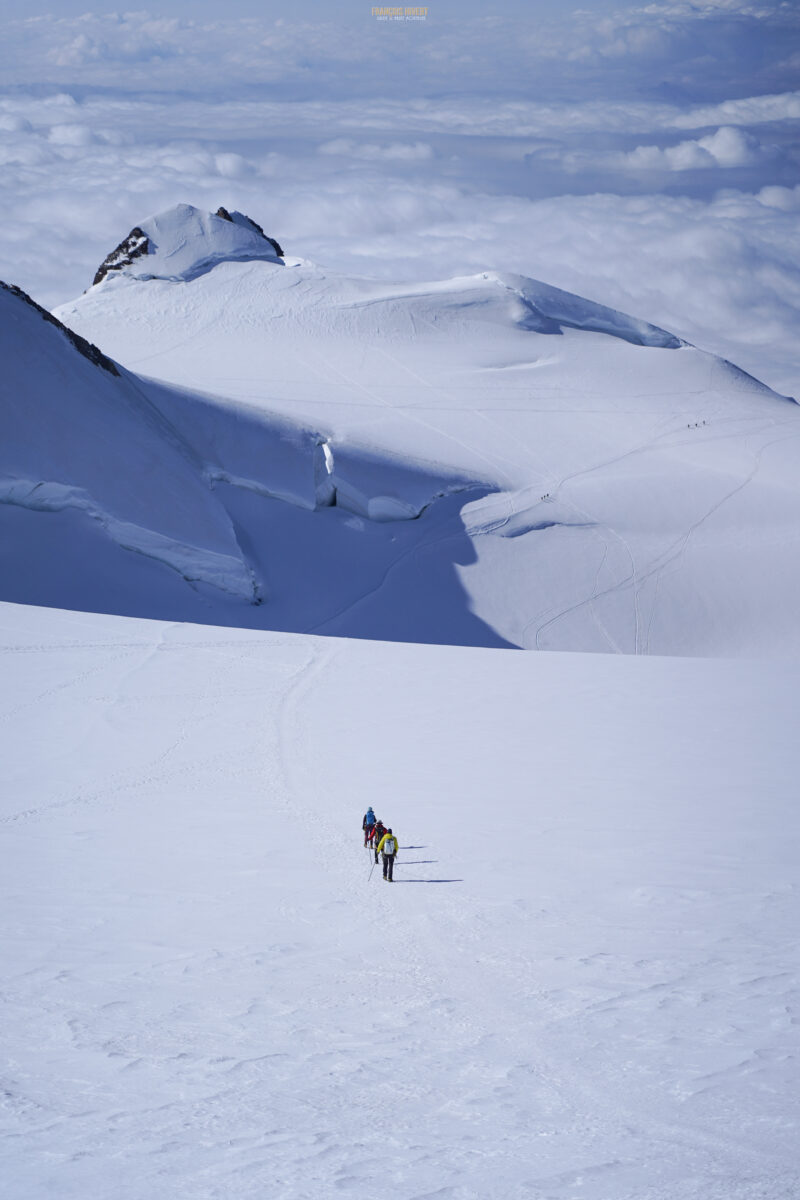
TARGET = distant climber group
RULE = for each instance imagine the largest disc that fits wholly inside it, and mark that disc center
(381, 840)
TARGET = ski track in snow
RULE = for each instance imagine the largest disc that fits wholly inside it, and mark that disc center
(674, 555)
(637, 577)
(205, 995)
(412, 552)
(272, 1021)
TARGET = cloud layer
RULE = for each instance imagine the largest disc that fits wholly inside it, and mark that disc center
(647, 158)
(718, 50)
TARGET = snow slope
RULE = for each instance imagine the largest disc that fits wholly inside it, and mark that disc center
(82, 443)
(589, 991)
(631, 493)
(206, 992)
(121, 496)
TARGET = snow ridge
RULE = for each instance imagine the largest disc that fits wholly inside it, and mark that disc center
(549, 309)
(81, 344)
(239, 218)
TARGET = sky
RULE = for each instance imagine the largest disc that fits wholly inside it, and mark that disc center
(644, 155)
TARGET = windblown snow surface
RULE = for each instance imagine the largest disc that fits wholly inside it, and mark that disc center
(582, 985)
(590, 991)
(502, 463)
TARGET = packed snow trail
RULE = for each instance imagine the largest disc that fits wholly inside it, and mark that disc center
(588, 992)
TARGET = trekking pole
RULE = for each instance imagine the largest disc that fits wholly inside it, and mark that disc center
(374, 865)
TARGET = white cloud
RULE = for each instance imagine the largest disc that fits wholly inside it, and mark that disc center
(71, 135)
(728, 147)
(14, 124)
(748, 110)
(232, 166)
(129, 38)
(372, 152)
(787, 199)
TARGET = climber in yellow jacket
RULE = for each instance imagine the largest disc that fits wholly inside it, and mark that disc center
(388, 847)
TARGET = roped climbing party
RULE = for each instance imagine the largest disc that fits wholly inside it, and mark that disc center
(380, 840)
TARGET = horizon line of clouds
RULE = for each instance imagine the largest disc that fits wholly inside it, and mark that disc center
(465, 115)
(685, 47)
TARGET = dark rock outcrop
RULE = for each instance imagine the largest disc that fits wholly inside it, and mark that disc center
(226, 216)
(133, 246)
(87, 349)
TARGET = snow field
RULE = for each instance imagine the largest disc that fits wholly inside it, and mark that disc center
(587, 991)
(628, 493)
(484, 461)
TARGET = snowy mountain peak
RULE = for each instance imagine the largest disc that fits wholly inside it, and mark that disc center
(184, 242)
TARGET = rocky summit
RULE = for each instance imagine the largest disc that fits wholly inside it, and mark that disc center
(183, 242)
